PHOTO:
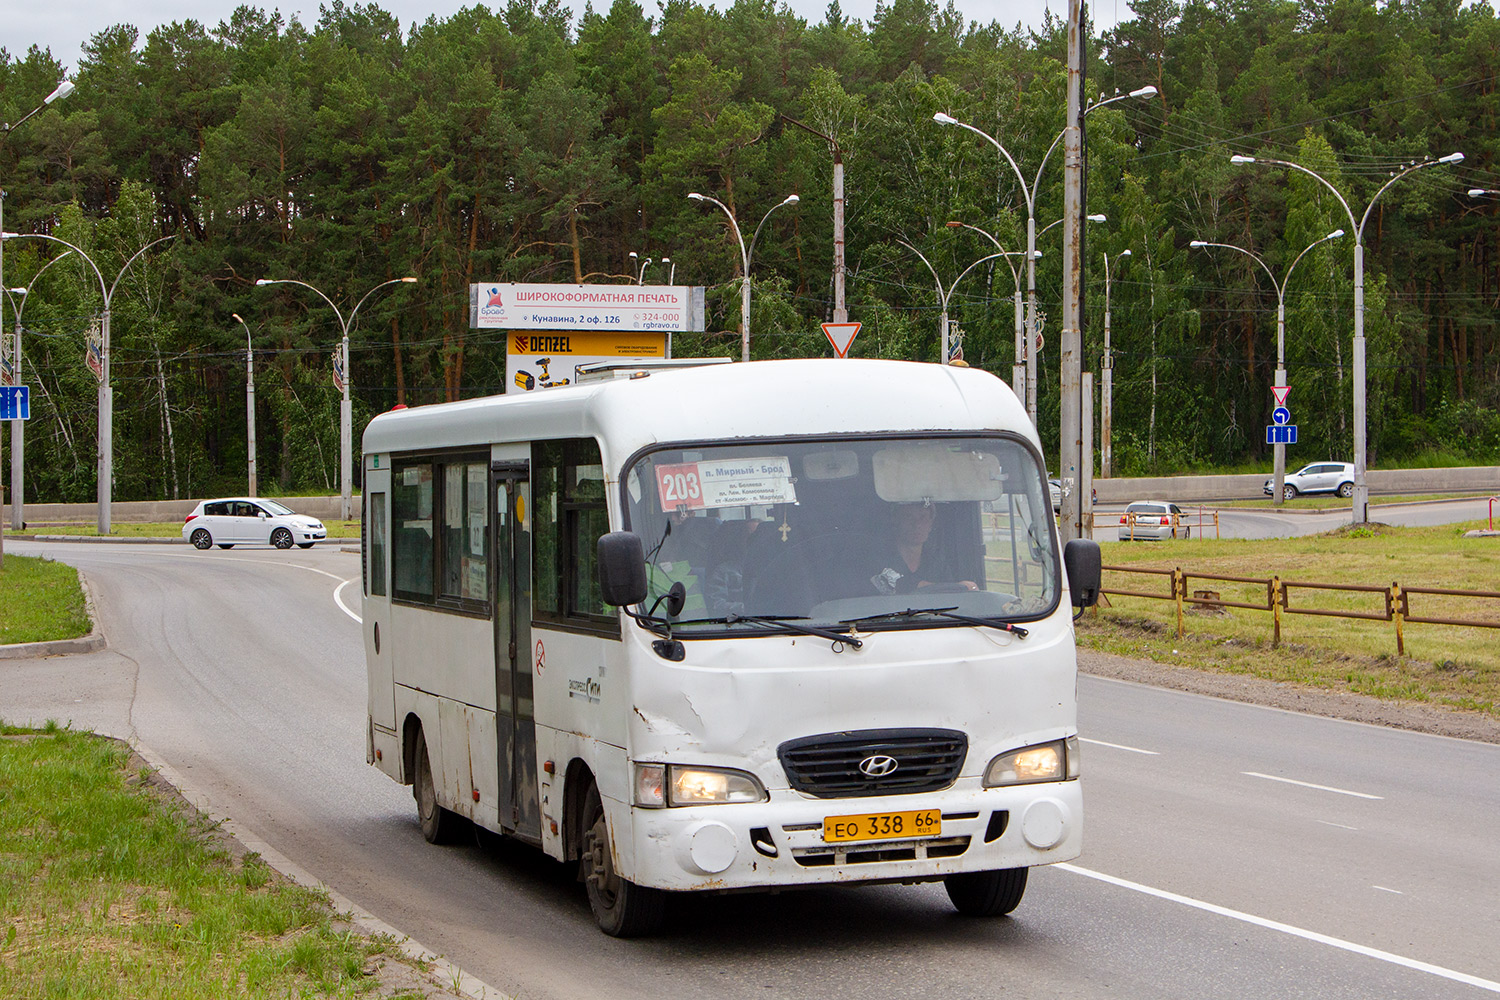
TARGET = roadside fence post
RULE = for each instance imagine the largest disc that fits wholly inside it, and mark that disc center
(1179, 591)
(1277, 598)
(1394, 598)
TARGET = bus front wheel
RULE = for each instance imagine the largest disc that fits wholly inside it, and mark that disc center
(622, 908)
(439, 825)
(986, 894)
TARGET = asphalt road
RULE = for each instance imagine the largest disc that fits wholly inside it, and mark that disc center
(1230, 850)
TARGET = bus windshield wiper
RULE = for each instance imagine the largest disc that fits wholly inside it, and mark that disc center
(791, 623)
(996, 623)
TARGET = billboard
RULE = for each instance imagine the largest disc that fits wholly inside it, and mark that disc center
(545, 359)
(646, 308)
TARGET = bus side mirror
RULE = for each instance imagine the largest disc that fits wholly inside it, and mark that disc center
(622, 568)
(1082, 563)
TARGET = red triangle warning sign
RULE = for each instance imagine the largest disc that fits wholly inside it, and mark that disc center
(841, 336)
(1280, 392)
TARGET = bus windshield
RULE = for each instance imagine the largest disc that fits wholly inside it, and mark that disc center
(822, 532)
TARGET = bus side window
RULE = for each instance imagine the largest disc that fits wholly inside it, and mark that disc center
(570, 516)
(375, 553)
(411, 509)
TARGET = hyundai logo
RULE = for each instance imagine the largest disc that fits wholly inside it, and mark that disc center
(878, 766)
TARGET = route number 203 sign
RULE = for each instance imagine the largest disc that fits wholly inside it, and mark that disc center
(693, 485)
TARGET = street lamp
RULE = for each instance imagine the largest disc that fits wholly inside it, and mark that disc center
(641, 279)
(18, 427)
(745, 257)
(1018, 369)
(1107, 386)
(942, 295)
(61, 91)
(672, 274)
(1279, 448)
(346, 408)
(106, 391)
(1361, 506)
(1030, 195)
(249, 402)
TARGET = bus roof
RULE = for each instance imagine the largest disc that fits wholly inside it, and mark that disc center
(721, 402)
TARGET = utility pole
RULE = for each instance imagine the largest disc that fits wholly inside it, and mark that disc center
(840, 311)
(1070, 436)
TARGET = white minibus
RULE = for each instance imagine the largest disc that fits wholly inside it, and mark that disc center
(742, 627)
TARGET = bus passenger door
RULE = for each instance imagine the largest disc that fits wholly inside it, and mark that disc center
(515, 722)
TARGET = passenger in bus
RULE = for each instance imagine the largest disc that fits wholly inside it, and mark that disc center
(907, 563)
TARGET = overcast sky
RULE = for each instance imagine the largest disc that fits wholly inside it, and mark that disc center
(66, 27)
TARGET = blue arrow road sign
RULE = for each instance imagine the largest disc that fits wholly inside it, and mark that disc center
(1281, 434)
(1281, 415)
(15, 402)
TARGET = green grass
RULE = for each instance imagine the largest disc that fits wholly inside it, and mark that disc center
(1442, 664)
(109, 889)
(40, 600)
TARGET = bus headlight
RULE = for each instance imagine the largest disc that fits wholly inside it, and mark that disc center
(1057, 761)
(660, 785)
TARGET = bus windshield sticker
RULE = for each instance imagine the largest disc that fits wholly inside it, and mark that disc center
(725, 483)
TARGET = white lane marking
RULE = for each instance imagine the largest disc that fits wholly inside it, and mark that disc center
(1274, 925)
(1308, 784)
(340, 601)
(1118, 746)
(1384, 889)
(1339, 825)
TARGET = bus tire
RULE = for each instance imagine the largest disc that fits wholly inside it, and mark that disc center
(986, 894)
(439, 825)
(621, 908)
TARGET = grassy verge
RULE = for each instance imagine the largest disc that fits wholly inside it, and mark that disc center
(40, 600)
(167, 529)
(108, 889)
(1445, 665)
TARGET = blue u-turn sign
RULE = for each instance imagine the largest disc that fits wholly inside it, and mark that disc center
(15, 402)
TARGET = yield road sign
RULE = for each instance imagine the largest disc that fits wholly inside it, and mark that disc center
(841, 336)
(1280, 392)
(15, 402)
(1281, 415)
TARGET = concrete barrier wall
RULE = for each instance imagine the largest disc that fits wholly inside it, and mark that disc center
(1179, 489)
(146, 511)
(1389, 482)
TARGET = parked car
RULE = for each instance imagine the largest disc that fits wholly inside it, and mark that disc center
(235, 521)
(1319, 477)
(1152, 521)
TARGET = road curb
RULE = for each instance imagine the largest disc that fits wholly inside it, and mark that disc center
(91, 643)
(110, 539)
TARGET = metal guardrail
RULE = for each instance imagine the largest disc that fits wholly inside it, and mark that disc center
(1396, 600)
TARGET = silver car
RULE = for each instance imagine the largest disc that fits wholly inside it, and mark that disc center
(1152, 521)
(235, 521)
(1319, 477)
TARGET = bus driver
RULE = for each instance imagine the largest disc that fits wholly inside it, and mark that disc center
(907, 564)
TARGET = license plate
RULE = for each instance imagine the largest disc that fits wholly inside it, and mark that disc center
(883, 826)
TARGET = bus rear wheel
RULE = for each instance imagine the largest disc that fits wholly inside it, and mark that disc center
(986, 894)
(622, 908)
(439, 825)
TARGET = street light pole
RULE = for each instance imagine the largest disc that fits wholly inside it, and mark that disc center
(1360, 513)
(249, 404)
(18, 427)
(1031, 233)
(1107, 386)
(746, 253)
(61, 91)
(1018, 369)
(106, 391)
(346, 407)
(1279, 448)
(943, 296)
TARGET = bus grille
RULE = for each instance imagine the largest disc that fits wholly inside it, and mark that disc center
(828, 766)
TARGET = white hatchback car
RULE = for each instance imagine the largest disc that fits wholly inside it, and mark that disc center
(250, 521)
(1319, 477)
